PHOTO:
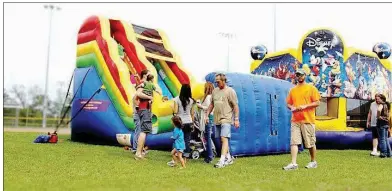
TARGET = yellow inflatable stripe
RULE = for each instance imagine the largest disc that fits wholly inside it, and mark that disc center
(170, 74)
(129, 33)
(92, 47)
(121, 66)
(159, 57)
(149, 39)
(159, 108)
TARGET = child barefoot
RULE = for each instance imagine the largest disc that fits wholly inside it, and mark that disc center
(179, 143)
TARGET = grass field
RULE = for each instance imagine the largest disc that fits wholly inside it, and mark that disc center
(75, 166)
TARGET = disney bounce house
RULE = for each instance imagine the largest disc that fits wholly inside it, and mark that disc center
(347, 79)
(111, 54)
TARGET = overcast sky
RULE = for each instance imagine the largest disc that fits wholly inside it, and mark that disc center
(192, 30)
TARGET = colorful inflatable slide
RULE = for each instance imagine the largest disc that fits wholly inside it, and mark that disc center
(347, 79)
(110, 57)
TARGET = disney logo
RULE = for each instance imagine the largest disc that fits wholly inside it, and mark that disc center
(318, 42)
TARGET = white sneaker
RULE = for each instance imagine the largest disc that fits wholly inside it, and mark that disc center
(229, 161)
(291, 166)
(220, 164)
(171, 163)
(312, 164)
(375, 153)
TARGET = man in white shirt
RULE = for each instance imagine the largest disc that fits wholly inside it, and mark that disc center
(372, 124)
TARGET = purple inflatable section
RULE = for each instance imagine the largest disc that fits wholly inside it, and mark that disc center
(345, 140)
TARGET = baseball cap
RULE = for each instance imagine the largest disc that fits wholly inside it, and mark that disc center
(300, 71)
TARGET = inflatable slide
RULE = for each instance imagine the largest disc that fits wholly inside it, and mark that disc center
(347, 79)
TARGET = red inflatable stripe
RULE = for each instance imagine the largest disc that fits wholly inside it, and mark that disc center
(120, 35)
(111, 65)
(91, 30)
(182, 77)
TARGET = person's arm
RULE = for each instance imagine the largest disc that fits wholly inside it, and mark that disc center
(175, 106)
(206, 103)
(290, 103)
(369, 117)
(314, 98)
(234, 103)
(140, 94)
(158, 91)
(192, 114)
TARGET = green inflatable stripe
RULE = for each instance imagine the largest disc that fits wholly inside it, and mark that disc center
(91, 60)
(166, 80)
(165, 124)
(128, 121)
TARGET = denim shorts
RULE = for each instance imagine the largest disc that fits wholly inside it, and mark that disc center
(223, 130)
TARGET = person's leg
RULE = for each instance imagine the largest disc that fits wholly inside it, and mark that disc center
(294, 152)
(140, 145)
(382, 142)
(174, 158)
(136, 134)
(295, 140)
(207, 135)
(145, 127)
(374, 141)
(187, 139)
(179, 155)
(312, 152)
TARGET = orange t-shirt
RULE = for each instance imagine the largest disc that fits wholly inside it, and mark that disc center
(303, 95)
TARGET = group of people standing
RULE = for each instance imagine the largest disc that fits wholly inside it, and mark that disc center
(218, 113)
(378, 122)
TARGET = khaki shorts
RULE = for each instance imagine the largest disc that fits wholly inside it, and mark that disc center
(305, 131)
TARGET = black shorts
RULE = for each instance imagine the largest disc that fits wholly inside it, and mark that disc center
(374, 132)
(145, 120)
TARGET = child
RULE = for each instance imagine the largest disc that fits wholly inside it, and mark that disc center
(148, 86)
(179, 143)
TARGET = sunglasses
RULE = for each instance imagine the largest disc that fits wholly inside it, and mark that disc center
(299, 75)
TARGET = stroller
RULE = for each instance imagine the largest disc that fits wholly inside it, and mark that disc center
(198, 142)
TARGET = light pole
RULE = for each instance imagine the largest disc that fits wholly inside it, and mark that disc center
(274, 27)
(229, 36)
(45, 104)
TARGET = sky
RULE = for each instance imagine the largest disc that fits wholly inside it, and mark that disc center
(193, 32)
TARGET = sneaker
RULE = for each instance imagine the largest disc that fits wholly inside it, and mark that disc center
(138, 157)
(229, 161)
(311, 165)
(375, 154)
(291, 166)
(219, 164)
(171, 163)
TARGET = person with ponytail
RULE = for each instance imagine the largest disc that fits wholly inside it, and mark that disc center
(183, 107)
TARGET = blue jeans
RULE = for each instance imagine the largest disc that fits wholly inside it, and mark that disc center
(208, 135)
(136, 120)
(383, 142)
(187, 137)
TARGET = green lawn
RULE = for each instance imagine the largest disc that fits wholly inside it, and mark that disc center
(74, 166)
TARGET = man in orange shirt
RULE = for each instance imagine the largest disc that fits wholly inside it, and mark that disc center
(302, 101)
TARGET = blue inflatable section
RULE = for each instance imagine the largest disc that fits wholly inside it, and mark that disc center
(165, 90)
(264, 117)
(98, 122)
